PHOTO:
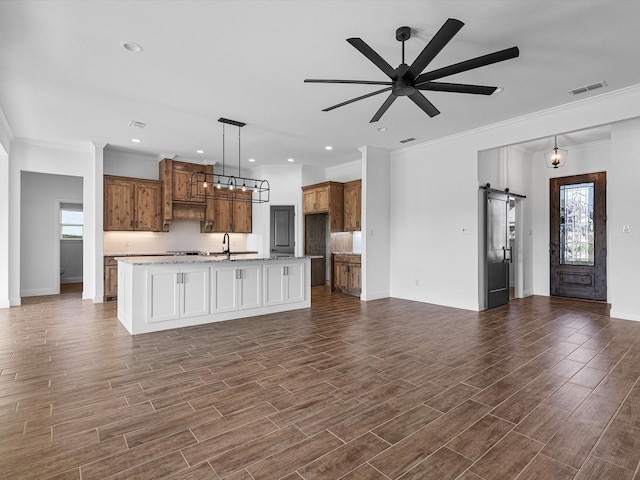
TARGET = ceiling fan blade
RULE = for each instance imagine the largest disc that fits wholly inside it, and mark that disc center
(457, 88)
(387, 103)
(356, 99)
(437, 43)
(481, 61)
(372, 55)
(359, 82)
(424, 104)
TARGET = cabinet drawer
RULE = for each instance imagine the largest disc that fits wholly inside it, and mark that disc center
(110, 261)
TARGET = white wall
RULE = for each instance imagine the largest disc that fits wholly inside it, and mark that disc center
(376, 223)
(129, 164)
(6, 135)
(70, 261)
(434, 197)
(345, 172)
(624, 198)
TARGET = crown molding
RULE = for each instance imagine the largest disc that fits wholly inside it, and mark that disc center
(86, 148)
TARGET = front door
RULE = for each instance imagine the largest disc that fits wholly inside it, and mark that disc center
(578, 243)
(282, 231)
(498, 255)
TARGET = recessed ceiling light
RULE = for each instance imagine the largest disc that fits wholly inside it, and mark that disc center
(328, 147)
(136, 140)
(132, 47)
(382, 129)
(290, 160)
(499, 90)
(252, 159)
(199, 151)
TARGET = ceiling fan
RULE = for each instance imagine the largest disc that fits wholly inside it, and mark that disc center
(408, 80)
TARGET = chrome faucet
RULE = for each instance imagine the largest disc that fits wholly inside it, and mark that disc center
(225, 240)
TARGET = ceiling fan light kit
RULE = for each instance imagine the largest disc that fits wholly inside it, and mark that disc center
(409, 80)
(204, 182)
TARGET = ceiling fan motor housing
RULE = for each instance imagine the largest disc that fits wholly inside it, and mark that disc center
(403, 34)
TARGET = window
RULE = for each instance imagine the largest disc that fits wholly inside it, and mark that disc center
(71, 221)
(576, 224)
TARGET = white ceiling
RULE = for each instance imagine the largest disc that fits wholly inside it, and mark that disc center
(65, 78)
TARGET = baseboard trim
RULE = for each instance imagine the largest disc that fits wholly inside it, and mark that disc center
(613, 313)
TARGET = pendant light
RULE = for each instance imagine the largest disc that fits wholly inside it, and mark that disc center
(555, 158)
(202, 182)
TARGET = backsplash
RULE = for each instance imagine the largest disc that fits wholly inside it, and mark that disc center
(346, 242)
(184, 235)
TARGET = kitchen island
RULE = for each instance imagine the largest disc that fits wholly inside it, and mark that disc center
(165, 292)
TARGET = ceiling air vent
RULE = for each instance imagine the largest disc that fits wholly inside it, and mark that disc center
(407, 140)
(588, 88)
(135, 123)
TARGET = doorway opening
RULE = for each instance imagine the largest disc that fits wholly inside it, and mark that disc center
(71, 218)
(503, 247)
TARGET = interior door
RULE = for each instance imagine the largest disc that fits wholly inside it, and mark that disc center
(578, 243)
(498, 255)
(282, 231)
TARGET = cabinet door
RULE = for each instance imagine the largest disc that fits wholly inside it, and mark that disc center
(322, 199)
(110, 280)
(309, 200)
(354, 281)
(249, 278)
(352, 206)
(182, 186)
(194, 292)
(274, 293)
(118, 204)
(340, 277)
(242, 221)
(163, 295)
(148, 198)
(222, 213)
(224, 297)
(294, 279)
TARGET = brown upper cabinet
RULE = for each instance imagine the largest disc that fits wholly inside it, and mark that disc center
(326, 197)
(132, 204)
(232, 215)
(353, 206)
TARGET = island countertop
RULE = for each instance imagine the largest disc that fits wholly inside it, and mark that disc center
(205, 259)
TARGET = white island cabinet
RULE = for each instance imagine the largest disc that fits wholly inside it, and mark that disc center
(161, 293)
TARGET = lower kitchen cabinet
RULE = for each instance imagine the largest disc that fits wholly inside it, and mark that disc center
(235, 288)
(284, 283)
(346, 273)
(177, 293)
(110, 278)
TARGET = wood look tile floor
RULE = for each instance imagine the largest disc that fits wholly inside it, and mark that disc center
(544, 388)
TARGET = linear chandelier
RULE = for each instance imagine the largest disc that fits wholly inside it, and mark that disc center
(208, 183)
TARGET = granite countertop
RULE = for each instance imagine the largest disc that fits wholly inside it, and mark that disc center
(165, 254)
(200, 259)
